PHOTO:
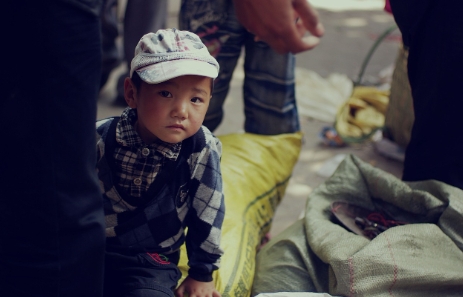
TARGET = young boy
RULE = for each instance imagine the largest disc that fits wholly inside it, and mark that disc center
(159, 171)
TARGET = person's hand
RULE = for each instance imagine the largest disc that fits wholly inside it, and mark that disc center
(281, 23)
(193, 288)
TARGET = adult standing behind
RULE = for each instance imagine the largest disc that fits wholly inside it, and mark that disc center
(51, 215)
(140, 17)
(268, 31)
(433, 33)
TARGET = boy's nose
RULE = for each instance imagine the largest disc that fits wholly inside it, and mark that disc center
(180, 110)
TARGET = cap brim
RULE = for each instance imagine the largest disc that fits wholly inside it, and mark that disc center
(161, 72)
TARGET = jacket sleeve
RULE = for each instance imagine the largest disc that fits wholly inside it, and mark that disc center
(207, 210)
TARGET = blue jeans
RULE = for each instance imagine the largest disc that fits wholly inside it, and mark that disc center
(433, 32)
(269, 86)
(51, 214)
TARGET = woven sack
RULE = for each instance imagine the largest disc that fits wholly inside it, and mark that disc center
(255, 170)
(318, 254)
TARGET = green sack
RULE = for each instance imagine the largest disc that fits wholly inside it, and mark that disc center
(318, 254)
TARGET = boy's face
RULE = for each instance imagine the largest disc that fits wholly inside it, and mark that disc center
(172, 110)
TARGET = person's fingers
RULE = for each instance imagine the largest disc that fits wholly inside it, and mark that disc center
(309, 16)
(301, 30)
(179, 292)
(307, 42)
(294, 44)
(290, 38)
(284, 46)
(275, 23)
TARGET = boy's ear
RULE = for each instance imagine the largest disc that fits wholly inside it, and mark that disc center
(130, 93)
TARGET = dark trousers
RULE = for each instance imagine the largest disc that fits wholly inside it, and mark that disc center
(140, 275)
(51, 215)
(433, 32)
(140, 17)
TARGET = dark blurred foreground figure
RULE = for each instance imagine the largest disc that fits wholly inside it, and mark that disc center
(433, 33)
(51, 215)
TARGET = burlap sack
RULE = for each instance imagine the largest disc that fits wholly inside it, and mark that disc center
(317, 254)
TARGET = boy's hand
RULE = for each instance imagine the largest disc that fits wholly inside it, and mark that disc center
(194, 288)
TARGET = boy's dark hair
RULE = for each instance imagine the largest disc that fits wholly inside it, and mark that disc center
(137, 81)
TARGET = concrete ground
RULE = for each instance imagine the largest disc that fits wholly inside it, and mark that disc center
(352, 27)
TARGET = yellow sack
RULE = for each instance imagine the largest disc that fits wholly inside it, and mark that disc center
(255, 170)
(362, 114)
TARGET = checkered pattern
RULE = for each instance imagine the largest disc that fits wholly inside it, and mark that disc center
(129, 158)
(191, 198)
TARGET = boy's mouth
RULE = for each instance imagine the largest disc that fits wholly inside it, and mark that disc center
(176, 126)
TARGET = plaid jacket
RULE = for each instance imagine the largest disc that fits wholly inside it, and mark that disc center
(187, 193)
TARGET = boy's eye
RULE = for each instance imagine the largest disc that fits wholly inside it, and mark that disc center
(196, 100)
(165, 94)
